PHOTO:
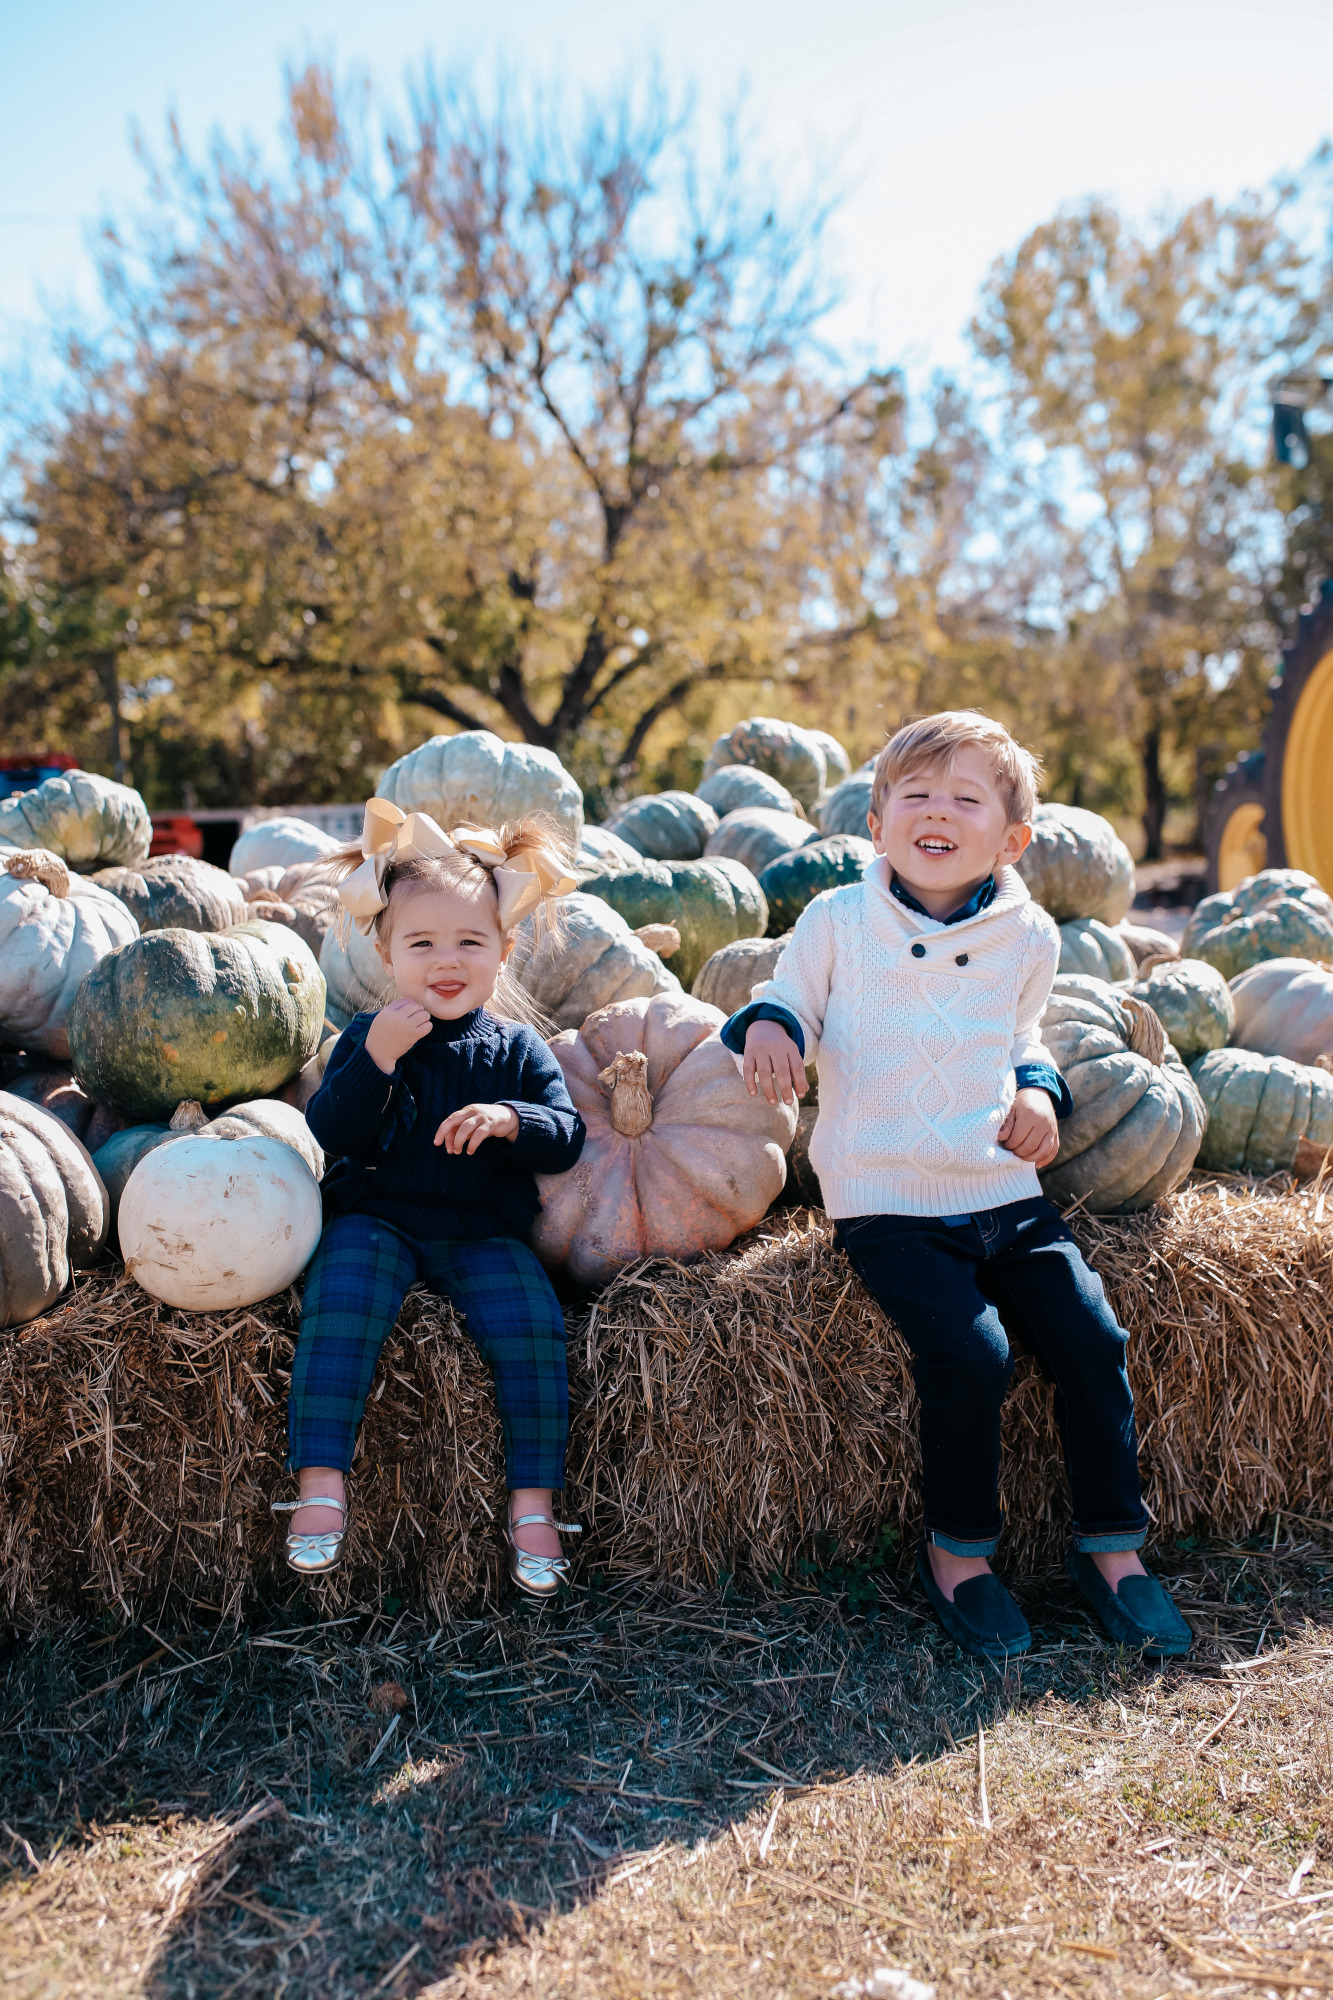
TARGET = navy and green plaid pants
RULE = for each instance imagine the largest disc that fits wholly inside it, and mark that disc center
(357, 1281)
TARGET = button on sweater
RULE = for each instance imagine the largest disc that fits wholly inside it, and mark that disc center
(917, 1029)
(380, 1129)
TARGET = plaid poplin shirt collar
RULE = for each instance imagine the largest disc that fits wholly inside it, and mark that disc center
(980, 899)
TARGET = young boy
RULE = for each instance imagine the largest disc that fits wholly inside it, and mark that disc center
(918, 992)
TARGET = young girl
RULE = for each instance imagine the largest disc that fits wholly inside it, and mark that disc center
(437, 1112)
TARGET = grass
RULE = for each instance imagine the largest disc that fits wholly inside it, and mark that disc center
(639, 1794)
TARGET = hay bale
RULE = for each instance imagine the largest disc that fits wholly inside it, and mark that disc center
(141, 1447)
(728, 1415)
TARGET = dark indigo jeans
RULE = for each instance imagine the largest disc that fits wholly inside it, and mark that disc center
(957, 1288)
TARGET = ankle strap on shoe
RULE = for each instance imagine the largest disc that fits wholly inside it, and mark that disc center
(545, 1521)
(315, 1500)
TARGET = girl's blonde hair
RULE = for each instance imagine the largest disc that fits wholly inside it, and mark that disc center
(932, 740)
(460, 870)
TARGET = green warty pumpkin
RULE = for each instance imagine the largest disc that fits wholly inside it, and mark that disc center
(1280, 913)
(666, 826)
(1076, 865)
(783, 749)
(1138, 1120)
(1092, 948)
(1193, 1003)
(795, 879)
(174, 892)
(837, 764)
(738, 786)
(845, 809)
(1265, 1115)
(756, 835)
(185, 1014)
(709, 902)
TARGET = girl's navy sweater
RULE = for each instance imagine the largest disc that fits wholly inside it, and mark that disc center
(380, 1130)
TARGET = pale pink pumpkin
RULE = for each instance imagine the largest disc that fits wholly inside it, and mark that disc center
(679, 1157)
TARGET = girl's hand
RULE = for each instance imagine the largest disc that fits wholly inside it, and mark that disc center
(394, 1030)
(773, 1063)
(463, 1131)
(1030, 1130)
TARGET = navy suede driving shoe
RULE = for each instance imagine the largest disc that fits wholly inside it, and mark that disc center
(982, 1618)
(1139, 1613)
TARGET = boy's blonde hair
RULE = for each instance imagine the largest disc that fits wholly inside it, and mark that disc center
(932, 740)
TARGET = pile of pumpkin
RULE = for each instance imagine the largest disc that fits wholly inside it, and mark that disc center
(162, 1023)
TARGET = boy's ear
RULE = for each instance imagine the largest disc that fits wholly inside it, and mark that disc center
(1017, 839)
(875, 822)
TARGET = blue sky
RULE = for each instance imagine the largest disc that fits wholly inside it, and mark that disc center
(960, 124)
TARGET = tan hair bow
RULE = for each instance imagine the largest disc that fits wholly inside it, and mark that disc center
(522, 880)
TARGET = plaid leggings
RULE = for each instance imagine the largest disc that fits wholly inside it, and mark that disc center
(356, 1283)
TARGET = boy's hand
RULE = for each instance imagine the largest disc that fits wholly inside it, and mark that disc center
(394, 1031)
(773, 1063)
(1030, 1130)
(463, 1131)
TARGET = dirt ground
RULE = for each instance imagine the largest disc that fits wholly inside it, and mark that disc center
(638, 1794)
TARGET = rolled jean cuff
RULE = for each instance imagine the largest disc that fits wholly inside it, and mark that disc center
(956, 1546)
(1110, 1544)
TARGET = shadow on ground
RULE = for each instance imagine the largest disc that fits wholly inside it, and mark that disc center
(362, 1807)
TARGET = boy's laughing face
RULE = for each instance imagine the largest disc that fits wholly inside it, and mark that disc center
(944, 828)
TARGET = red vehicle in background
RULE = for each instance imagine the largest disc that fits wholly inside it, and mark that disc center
(177, 833)
(23, 774)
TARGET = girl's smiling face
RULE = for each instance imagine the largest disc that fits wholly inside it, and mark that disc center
(944, 829)
(444, 947)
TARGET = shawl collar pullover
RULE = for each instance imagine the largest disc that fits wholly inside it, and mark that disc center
(381, 1129)
(916, 1028)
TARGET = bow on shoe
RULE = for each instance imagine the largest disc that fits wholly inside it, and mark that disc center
(522, 881)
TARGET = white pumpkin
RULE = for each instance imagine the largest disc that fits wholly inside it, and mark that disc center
(209, 1224)
(478, 777)
(280, 843)
(89, 821)
(268, 1118)
(54, 928)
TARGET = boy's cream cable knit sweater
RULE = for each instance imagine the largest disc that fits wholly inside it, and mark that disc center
(916, 1029)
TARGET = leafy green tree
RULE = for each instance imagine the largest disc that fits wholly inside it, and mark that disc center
(464, 421)
(1130, 358)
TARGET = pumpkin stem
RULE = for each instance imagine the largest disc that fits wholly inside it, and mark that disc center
(1151, 961)
(188, 1116)
(1147, 1036)
(627, 1080)
(38, 864)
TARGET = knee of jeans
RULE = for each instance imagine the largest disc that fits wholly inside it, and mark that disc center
(978, 1351)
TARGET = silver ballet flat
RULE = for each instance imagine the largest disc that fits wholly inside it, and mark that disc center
(312, 1555)
(538, 1576)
